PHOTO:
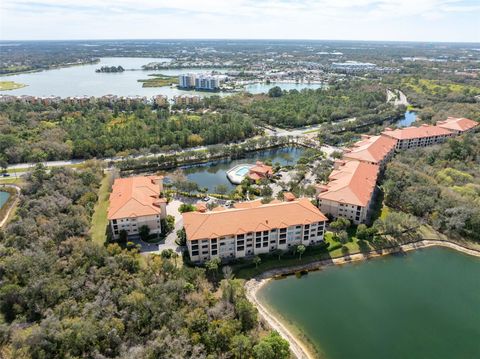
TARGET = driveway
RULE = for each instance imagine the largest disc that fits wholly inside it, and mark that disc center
(169, 241)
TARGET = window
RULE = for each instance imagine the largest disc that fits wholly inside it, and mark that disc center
(214, 253)
(194, 253)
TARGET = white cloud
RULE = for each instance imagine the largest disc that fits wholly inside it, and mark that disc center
(349, 19)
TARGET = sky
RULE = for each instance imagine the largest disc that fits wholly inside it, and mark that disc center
(393, 20)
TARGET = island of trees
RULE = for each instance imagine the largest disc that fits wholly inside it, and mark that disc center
(109, 69)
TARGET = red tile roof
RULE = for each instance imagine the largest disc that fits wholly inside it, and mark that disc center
(416, 132)
(371, 149)
(250, 219)
(352, 183)
(457, 124)
(135, 197)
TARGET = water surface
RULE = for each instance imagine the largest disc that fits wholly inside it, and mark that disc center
(213, 173)
(422, 305)
(3, 198)
(82, 80)
(407, 120)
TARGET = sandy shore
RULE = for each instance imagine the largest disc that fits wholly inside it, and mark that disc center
(299, 349)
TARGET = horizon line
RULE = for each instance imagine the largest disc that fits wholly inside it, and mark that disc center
(241, 39)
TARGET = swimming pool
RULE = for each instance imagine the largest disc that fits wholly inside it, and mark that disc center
(238, 173)
(242, 171)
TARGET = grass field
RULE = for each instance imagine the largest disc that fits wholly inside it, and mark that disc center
(99, 218)
(159, 81)
(10, 85)
(426, 85)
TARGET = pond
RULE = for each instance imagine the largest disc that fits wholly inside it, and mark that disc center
(407, 120)
(211, 174)
(421, 305)
(3, 198)
(82, 80)
(264, 87)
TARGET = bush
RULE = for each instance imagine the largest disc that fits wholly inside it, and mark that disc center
(185, 207)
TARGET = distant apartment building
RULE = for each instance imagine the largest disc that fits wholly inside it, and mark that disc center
(458, 125)
(183, 100)
(160, 100)
(134, 202)
(414, 137)
(252, 228)
(375, 150)
(350, 190)
(210, 83)
(186, 81)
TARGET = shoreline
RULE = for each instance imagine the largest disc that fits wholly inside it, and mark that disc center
(299, 348)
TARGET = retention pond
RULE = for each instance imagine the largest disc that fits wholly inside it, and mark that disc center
(421, 305)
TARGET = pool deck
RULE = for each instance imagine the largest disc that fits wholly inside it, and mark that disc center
(236, 178)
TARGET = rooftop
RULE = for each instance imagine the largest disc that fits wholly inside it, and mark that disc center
(416, 132)
(352, 183)
(251, 217)
(135, 197)
(371, 148)
(457, 124)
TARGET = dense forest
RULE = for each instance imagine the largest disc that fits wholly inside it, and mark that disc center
(38, 132)
(294, 108)
(440, 185)
(64, 296)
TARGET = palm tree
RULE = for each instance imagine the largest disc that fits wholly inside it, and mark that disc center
(301, 249)
(257, 261)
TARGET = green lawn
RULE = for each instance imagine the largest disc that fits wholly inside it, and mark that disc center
(248, 270)
(10, 85)
(99, 218)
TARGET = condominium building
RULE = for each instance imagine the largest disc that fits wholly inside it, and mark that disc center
(160, 100)
(350, 190)
(207, 83)
(376, 150)
(186, 99)
(458, 125)
(135, 202)
(186, 81)
(413, 137)
(252, 228)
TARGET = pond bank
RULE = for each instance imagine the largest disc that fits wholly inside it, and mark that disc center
(299, 347)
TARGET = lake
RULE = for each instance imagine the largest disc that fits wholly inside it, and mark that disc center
(263, 87)
(212, 174)
(422, 305)
(407, 120)
(3, 198)
(82, 80)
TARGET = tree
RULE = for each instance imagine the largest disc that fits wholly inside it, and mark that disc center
(167, 253)
(257, 260)
(275, 91)
(221, 189)
(272, 346)
(342, 237)
(266, 191)
(186, 207)
(241, 347)
(168, 224)
(122, 236)
(144, 232)
(300, 250)
(278, 252)
(182, 237)
(247, 314)
(339, 224)
(212, 265)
